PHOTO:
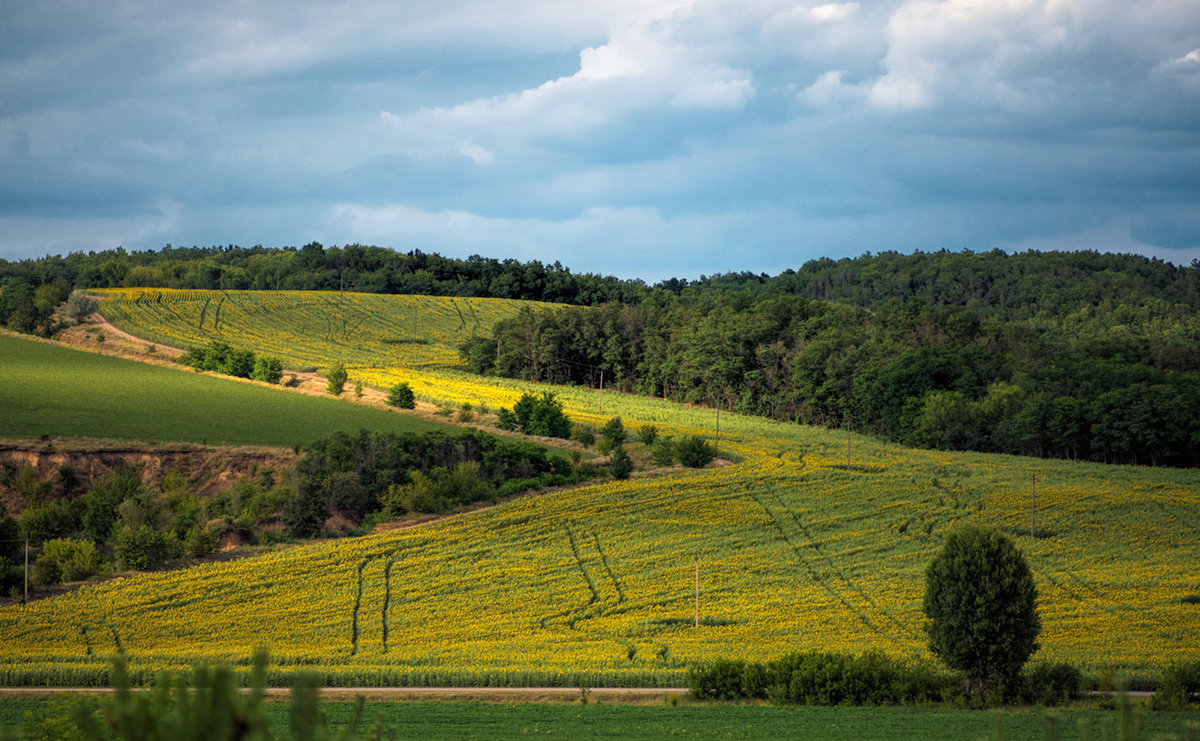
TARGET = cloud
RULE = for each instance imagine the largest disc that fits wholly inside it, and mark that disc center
(640, 70)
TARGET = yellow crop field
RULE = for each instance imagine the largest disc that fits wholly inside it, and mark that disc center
(809, 540)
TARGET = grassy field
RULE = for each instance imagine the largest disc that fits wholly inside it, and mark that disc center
(810, 541)
(48, 390)
(454, 720)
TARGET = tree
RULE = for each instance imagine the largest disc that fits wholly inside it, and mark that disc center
(980, 605)
(268, 369)
(402, 396)
(694, 451)
(620, 465)
(336, 376)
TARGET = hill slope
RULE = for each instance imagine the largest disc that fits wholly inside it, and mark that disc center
(798, 547)
(49, 390)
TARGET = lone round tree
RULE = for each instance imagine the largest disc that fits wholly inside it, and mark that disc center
(980, 602)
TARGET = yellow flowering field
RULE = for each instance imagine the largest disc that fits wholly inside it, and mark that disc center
(807, 540)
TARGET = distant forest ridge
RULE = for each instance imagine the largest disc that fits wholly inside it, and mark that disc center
(1058, 354)
(992, 283)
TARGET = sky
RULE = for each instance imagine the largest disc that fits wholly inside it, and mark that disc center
(638, 138)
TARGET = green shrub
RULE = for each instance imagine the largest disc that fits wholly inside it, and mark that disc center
(336, 377)
(1050, 684)
(614, 432)
(267, 369)
(620, 465)
(695, 452)
(401, 396)
(584, 434)
(663, 452)
(1180, 687)
(720, 680)
(76, 559)
(143, 548)
(647, 434)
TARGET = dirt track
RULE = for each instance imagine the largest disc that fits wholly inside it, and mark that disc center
(612, 695)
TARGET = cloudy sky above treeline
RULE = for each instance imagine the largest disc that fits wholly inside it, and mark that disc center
(639, 138)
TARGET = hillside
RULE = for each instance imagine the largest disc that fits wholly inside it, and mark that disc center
(49, 391)
(812, 539)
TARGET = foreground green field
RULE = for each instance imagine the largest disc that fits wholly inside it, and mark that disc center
(454, 720)
(798, 548)
(49, 390)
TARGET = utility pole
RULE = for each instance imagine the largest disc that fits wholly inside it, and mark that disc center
(1033, 509)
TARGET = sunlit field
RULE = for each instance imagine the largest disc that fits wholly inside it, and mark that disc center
(808, 540)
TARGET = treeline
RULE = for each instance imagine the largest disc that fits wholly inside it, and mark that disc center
(992, 284)
(372, 476)
(120, 522)
(310, 268)
(1114, 383)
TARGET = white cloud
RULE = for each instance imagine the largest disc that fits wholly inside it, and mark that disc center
(641, 69)
(834, 11)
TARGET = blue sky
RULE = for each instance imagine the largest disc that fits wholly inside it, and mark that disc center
(639, 138)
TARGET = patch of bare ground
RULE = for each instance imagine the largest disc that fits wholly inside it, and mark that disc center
(70, 466)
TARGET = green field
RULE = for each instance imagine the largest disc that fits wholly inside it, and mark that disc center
(809, 541)
(457, 720)
(49, 390)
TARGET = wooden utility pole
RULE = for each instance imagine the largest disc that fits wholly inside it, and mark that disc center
(1033, 509)
(697, 591)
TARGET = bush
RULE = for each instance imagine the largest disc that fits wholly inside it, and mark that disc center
(614, 432)
(584, 434)
(981, 607)
(76, 559)
(44, 572)
(55, 519)
(620, 465)
(1180, 687)
(200, 541)
(538, 416)
(336, 377)
(695, 452)
(814, 678)
(647, 434)
(143, 548)
(663, 453)
(720, 680)
(267, 369)
(80, 306)
(401, 396)
(1051, 684)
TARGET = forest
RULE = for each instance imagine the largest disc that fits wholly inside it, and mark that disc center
(1077, 355)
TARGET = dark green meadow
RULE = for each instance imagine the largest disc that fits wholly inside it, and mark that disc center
(53, 391)
(482, 720)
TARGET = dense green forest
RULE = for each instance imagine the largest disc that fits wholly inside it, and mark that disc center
(1078, 355)
(1116, 382)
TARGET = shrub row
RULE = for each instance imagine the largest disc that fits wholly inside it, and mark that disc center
(220, 357)
(816, 678)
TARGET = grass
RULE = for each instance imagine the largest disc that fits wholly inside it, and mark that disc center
(47, 390)
(799, 548)
(479, 720)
